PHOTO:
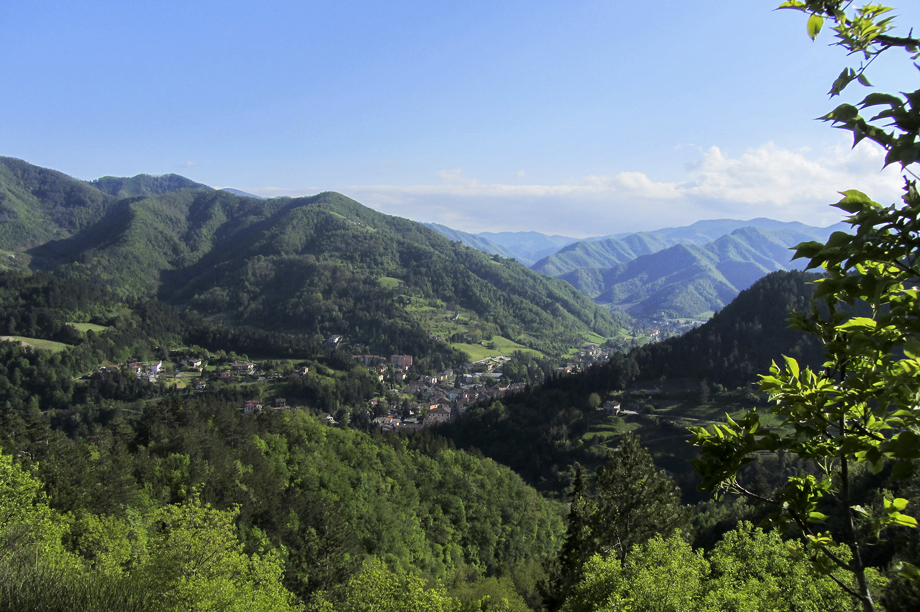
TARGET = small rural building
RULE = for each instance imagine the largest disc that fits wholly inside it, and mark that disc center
(401, 361)
(243, 367)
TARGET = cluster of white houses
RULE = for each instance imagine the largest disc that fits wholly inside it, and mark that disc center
(442, 396)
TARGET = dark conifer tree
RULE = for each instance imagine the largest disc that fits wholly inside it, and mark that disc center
(635, 501)
(579, 541)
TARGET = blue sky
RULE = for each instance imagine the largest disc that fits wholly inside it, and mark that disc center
(580, 118)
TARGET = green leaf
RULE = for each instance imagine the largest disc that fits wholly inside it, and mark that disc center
(863, 80)
(792, 365)
(815, 22)
(875, 99)
(816, 517)
(906, 570)
(854, 201)
(844, 112)
(905, 445)
(840, 83)
(861, 323)
(902, 520)
(912, 348)
(808, 249)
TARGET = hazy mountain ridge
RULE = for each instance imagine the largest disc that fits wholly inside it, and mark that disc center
(611, 251)
(476, 241)
(241, 193)
(525, 247)
(678, 271)
(707, 230)
(603, 253)
(528, 245)
(688, 280)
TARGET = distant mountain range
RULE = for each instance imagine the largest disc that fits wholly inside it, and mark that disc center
(619, 249)
(319, 265)
(240, 193)
(525, 247)
(676, 272)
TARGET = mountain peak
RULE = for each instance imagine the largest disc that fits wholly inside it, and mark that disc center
(145, 185)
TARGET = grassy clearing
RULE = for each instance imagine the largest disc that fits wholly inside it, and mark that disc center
(388, 282)
(85, 327)
(503, 346)
(442, 323)
(420, 309)
(607, 428)
(475, 352)
(48, 345)
(438, 320)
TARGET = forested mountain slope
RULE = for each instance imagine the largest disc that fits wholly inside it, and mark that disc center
(538, 433)
(38, 205)
(144, 185)
(319, 265)
(112, 450)
(688, 280)
(740, 341)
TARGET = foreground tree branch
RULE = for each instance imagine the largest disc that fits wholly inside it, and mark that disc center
(862, 407)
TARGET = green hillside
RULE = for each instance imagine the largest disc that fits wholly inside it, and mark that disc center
(38, 205)
(306, 265)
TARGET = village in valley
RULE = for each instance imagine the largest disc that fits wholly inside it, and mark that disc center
(407, 398)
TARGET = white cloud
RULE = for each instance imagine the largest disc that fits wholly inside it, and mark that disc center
(637, 184)
(788, 181)
(768, 181)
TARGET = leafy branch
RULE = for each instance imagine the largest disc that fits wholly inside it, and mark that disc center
(864, 405)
